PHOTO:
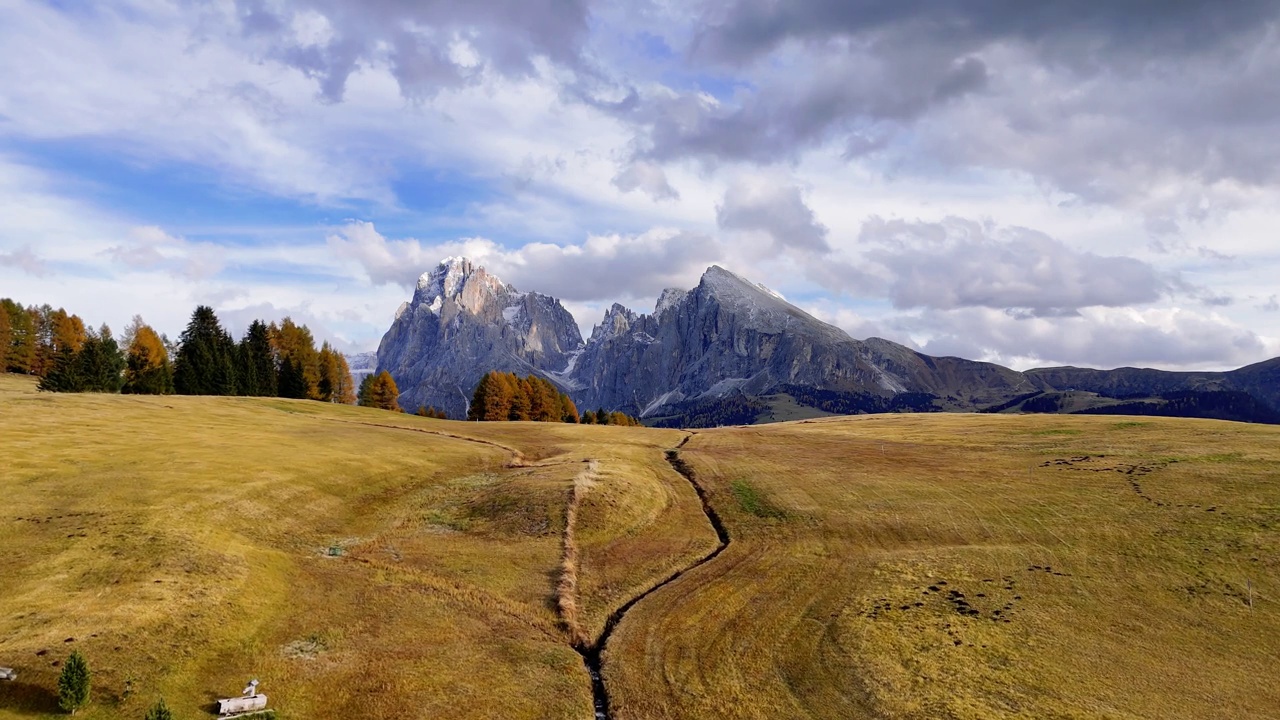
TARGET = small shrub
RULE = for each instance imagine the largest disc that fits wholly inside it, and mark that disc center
(159, 711)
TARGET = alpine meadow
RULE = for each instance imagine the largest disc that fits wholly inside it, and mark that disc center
(639, 360)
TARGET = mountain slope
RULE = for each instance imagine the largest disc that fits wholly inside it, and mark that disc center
(719, 353)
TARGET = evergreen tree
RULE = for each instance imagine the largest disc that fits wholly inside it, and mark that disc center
(206, 357)
(74, 683)
(63, 374)
(589, 417)
(364, 397)
(602, 417)
(258, 362)
(159, 711)
(101, 364)
(292, 382)
(147, 370)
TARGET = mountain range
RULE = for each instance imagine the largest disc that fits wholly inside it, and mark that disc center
(732, 351)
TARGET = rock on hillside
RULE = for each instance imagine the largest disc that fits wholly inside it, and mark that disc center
(463, 322)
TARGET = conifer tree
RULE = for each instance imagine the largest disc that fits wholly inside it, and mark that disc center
(101, 364)
(63, 373)
(74, 684)
(159, 711)
(520, 399)
(364, 397)
(589, 417)
(383, 392)
(258, 362)
(206, 357)
(602, 417)
(291, 382)
(335, 377)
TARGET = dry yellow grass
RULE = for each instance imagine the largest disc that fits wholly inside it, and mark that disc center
(185, 544)
(1109, 587)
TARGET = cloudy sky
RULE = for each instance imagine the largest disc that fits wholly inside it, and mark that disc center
(1086, 182)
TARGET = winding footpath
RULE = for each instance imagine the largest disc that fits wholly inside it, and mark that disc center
(591, 652)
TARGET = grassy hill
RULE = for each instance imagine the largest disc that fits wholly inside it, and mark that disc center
(373, 565)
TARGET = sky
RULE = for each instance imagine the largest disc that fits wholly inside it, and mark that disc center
(1089, 182)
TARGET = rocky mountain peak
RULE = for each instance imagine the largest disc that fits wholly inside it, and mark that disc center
(670, 298)
(618, 319)
(462, 281)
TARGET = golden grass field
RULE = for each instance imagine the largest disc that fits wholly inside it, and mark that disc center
(364, 564)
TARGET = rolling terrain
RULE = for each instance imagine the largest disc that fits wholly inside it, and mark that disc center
(368, 564)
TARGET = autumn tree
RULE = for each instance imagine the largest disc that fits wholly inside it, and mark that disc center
(380, 391)
(589, 417)
(58, 337)
(336, 384)
(206, 361)
(299, 361)
(147, 370)
(6, 338)
(18, 354)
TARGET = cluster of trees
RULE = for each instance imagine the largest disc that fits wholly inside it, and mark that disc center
(601, 417)
(506, 396)
(270, 360)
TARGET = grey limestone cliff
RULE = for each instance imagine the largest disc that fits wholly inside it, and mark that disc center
(463, 322)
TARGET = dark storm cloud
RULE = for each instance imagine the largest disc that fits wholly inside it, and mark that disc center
(1114, 102)
(414, 37)
(961, 264)
(1072, 31)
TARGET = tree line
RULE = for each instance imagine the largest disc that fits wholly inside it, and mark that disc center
(503, 396)
(271, 360)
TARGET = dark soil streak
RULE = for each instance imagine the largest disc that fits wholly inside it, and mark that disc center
(591, 653)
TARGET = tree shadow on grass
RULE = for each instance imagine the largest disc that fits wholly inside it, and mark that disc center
(28, 698)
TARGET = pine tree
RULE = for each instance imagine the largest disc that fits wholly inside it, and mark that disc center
(101, 364)
(159, 711)
(63, 373)
(258, 362)
(291, 382)
(364, 397)
(589, 417)
(74, 684)
(206, 357)
(602, 417)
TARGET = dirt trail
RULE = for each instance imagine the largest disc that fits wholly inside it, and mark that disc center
(591, 652)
